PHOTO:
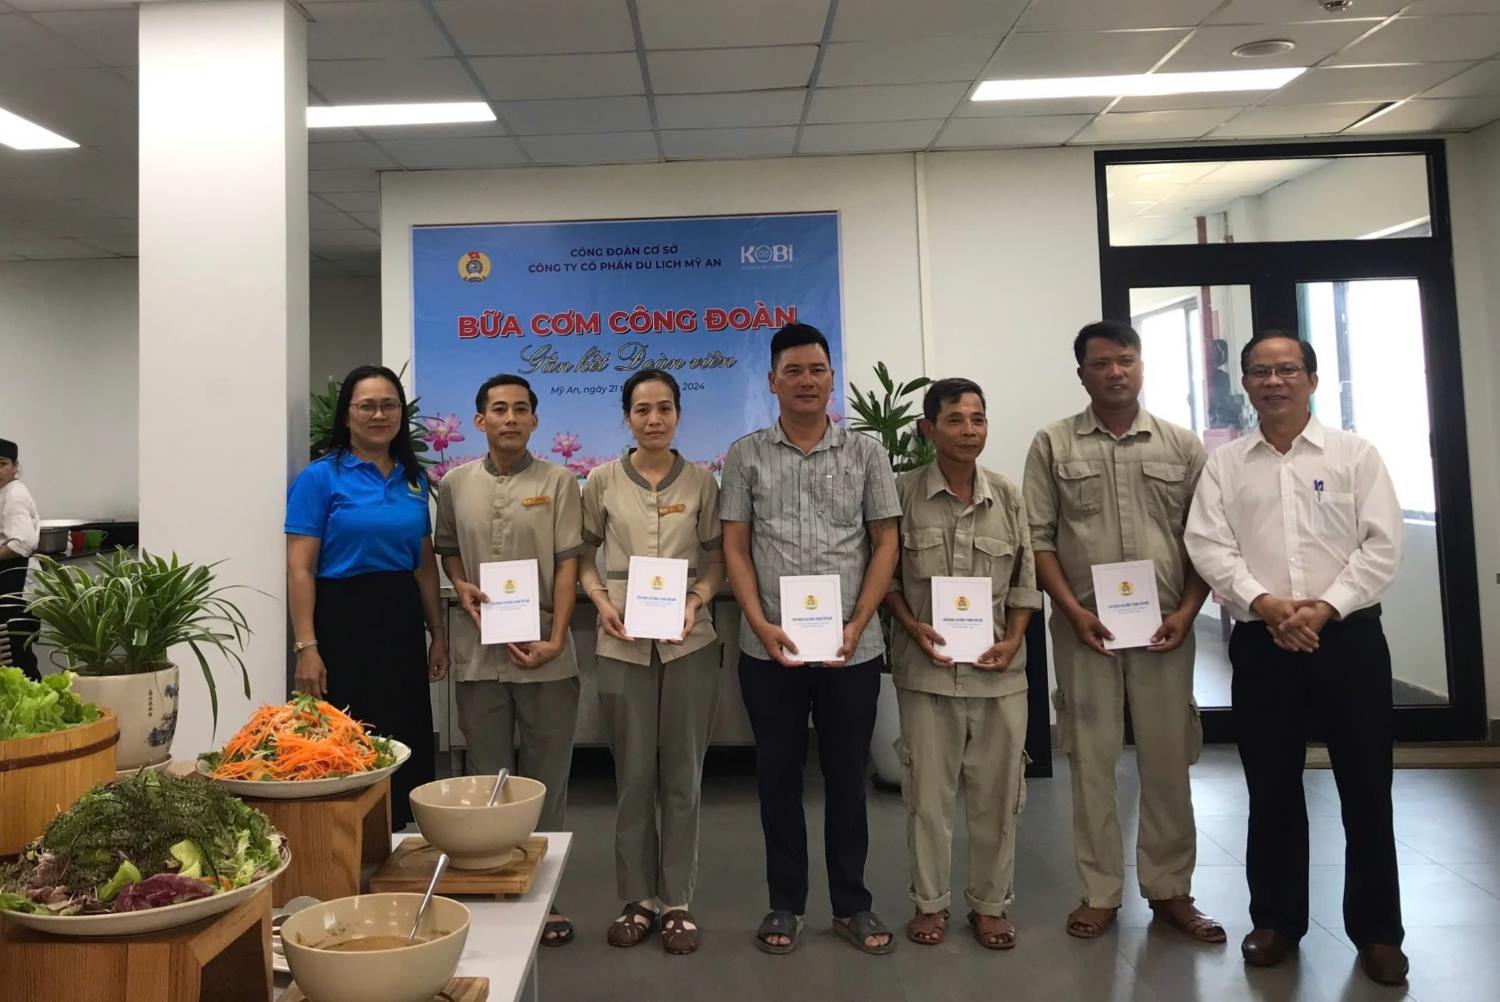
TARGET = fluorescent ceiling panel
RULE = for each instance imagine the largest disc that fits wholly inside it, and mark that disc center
(1136, 84)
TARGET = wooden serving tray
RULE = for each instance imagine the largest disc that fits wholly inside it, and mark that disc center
(409, 869)
(457, 990)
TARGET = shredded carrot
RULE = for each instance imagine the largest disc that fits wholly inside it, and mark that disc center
(301, 740)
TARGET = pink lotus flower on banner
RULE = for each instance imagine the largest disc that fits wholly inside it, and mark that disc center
(834, 415)
(437, 471)
(442, 431)
(565, 443)
(583, 464)
(539, 454)
(712, 465)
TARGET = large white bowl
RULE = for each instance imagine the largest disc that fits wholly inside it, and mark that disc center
(456, 816)
(150, 919)
(305, 789)
(406, 974)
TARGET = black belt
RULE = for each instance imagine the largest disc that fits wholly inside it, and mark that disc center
(1368, 612)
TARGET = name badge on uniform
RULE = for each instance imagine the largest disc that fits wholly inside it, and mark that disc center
(671, 509)
(533, 502)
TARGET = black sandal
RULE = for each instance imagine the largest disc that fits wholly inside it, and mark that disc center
(861, 926)
(779, 923)
(626, 931)
(679, 932)
(560, 930)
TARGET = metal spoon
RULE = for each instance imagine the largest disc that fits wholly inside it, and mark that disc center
(442, 864)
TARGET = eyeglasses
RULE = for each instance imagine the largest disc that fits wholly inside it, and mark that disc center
(369, 408)
(1260, 373)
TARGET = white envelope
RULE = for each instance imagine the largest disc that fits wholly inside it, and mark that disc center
(656, 598)
(1125, 595)
(963, 613)
(513, 614)
(812, 614)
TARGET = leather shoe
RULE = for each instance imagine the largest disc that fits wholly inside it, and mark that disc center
(1266, 948)
(1384, 964)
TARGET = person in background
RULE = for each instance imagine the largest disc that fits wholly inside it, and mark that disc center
(660, 696)
(511, 506)
(362, 578)
(1297, 525)
(20, 529)
(961, 721)
(806, 496)
(1107, 485)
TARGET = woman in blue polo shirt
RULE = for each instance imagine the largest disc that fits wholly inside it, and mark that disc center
(362, 579)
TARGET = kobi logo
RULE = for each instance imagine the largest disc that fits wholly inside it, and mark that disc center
(762, 254)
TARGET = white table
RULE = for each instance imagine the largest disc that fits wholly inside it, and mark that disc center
(504, 935)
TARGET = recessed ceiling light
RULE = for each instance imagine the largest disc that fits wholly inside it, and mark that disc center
(1136, 85)
(1263, 48)
(20, 134)
(359, 116)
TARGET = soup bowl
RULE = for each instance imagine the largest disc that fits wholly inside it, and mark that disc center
(316, 941)
(456, 817)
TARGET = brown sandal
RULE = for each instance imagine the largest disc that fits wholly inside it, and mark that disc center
(627, 931)
(679, 932)
(994, 932)
(928, 928)
(1088, 922)
(1181, 914)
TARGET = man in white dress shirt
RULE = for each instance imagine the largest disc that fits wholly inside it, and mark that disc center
(1297, 527)
(20, 530)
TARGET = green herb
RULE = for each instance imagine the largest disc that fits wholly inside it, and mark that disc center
(28, 708)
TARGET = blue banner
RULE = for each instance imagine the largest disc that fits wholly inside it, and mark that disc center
(576, 307)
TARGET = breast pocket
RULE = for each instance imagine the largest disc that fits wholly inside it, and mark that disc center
(1080, 485)
(1334, 516)
(924, 553)
(994, 558)
(1166, 489)
(837, 493)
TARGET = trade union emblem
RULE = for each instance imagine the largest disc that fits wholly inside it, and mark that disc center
(962, 603)
(474, 266)
(1126, 588)
(510, 586)
(657, 584)
(810, 602)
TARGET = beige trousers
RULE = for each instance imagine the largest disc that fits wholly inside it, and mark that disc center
(979, 741)
(545, 713)
(1090, 701)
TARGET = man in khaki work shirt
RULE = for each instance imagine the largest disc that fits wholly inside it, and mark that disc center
(1112, 484)
(511, 506)
(966, 720)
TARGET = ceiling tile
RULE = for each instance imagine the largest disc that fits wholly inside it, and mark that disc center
(1482, 81)
(1274, 11)
(599, 148)
(48, 249)
(901, 19)
(42, 6)
(1428, 40)
(537, 27)
(110, 36)
(339, 156)
(375, 29)
(687, 71)
(599, 114)
(342, 181)
(92, 106)
(331, 219)
(1297, 120)
(26, 46)
(671, 24)
(395, 81)
(521, 78)
(1146, 126)
(1012, 109)
(1210, 47)
(1080, 53)
(1452, 7)
(1438, 115)
(354, 239)
(868, 137)
(1091, 15)
(1001, 132)
(354, 201)
(904, 102)
(752, 108)
(916, 60)
(369, 219)
(689, 144)
(476, 151)
(1363, 83)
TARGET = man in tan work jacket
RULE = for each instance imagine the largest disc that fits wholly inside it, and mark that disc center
(1107, 485)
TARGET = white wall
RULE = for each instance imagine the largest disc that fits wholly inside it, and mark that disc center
(68, 368)
(345, 327)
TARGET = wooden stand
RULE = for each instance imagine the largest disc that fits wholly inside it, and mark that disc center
(459, 990)
(410, 870)
(224, 959)
(330, 837)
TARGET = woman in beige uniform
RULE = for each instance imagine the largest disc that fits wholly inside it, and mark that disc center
(660, 696)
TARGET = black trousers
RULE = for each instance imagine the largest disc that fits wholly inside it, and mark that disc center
(842, 703)
(1345, 685)
(18, 625)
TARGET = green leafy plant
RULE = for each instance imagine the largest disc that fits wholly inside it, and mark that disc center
(892, 418)
(320, 418)
(125, 617)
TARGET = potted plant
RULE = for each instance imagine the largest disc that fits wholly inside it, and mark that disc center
(892, 418)
(115, 628)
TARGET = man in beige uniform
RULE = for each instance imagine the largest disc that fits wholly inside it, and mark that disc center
(968, 720)
(1108, 485)
(511, 506)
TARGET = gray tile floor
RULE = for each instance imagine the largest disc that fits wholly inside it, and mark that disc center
(1447, 822)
